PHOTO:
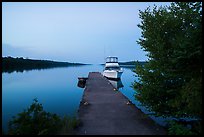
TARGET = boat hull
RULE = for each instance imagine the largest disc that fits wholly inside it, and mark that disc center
(112, 74)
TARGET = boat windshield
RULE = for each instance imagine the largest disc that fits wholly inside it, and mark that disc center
(112, 68)
(111, 59)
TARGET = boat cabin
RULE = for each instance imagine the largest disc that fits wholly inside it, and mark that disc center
(111, 60)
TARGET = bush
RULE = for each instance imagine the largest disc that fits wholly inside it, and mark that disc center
(176, 128)
(69, 124)
(35, 121)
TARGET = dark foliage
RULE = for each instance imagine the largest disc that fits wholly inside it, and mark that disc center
(10, 64)
(170, 82)
(36, 121)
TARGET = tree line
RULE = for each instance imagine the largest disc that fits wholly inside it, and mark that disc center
(10, 64)
(132, 63)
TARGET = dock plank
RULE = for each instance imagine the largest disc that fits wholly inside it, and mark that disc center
(107, 112)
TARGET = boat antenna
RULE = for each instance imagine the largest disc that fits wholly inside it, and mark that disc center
(103, 53)
(104, 50)
(111, 51)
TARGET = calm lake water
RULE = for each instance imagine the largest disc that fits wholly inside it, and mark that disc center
(56, 89)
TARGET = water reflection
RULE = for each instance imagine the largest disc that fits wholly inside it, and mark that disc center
(23, 69)
(117, 83)
(57, 89)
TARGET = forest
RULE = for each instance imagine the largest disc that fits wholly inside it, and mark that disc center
(10, 64)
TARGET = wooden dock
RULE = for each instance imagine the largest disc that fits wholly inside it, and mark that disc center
(106, 111)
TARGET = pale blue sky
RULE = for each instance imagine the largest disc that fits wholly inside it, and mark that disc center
(74, 32)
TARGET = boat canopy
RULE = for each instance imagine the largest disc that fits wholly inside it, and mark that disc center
(111, 60)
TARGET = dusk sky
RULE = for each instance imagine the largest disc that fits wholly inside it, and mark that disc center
(73, 32)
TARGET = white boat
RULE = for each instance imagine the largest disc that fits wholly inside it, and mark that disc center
(112, 68)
